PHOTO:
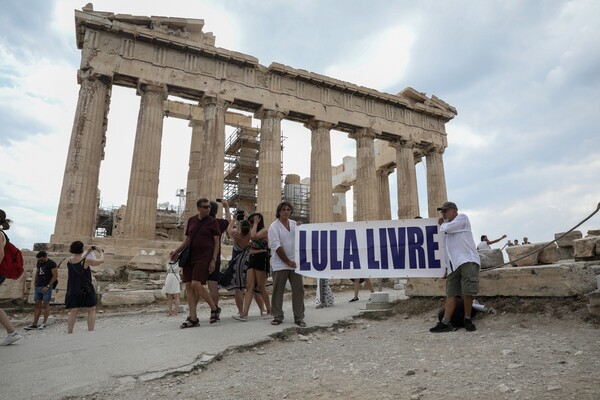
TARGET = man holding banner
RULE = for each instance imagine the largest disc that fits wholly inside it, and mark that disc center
(282, 235)
(464, 264)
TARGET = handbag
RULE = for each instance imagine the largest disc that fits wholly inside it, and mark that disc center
(186, 254)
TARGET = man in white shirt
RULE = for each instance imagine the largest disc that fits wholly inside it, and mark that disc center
(486, 243)
(281, 242)
(464, 263)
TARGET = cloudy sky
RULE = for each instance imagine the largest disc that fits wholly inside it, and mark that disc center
(523, 155)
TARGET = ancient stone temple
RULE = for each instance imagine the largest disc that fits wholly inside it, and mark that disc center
(165, 59)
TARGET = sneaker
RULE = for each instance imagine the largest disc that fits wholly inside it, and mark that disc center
(10, 338)
(42, 327)
(239, 318)
(441, 327)
(469, 326)
(31, 327)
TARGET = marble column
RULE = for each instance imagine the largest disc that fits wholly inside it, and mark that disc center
(212, 159)
(142, 198)
(321, 200)
(194, 171)
(78, 203)
(383, 189)
(365, 186)
(436, 180)
(269, 164)
(339, 206)
(406, 174)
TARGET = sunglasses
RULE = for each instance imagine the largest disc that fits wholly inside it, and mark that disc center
(205, 207)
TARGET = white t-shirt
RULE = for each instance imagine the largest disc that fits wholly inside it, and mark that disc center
(460, 245)
(484, 246)
(279, 236)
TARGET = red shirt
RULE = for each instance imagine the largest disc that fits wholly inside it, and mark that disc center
(202, 232)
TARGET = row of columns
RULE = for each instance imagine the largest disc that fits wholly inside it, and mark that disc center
(78, 202)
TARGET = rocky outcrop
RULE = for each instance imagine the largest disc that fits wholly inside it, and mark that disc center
(117, 297)
(556, 280)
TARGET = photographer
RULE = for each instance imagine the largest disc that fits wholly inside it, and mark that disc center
(80, 290)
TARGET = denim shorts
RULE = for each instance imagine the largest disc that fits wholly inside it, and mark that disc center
(39, 296)
(463, 281)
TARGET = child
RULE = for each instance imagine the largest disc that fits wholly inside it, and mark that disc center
(172, 288)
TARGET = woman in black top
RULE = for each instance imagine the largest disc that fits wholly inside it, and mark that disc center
(80, 290)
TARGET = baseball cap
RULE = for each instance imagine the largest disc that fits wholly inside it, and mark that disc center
(447, 205)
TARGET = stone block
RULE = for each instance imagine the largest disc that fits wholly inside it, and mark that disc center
(586, 247)
(565, 253)
(136, 275)
(549, 255)
(490, 258)
(117, 298)
(516, 252)
(593, 232)
(147, 262)
(380, 297)
(594, 298)
(13, 288)
(567, 241)
(555, 280)
(104, 272)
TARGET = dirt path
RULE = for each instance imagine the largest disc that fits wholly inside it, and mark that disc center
(538, 349)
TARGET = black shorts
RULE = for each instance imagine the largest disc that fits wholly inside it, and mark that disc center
(259, 261)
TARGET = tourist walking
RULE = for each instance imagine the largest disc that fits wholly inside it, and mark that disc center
(202, 235)
(46, 274)
(464, 264)
(80, 290)
(213, 277)
(358, 283)
(11, 334)
(281, 241)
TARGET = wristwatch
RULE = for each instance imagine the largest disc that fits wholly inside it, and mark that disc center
(48, 286)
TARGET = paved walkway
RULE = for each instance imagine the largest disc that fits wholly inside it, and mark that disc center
(122, 350)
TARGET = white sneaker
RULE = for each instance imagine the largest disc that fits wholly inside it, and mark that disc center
(42, 327)
(10, 338)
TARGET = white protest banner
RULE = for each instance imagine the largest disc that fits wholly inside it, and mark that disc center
(371, 249)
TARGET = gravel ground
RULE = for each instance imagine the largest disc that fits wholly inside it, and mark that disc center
(530, 349)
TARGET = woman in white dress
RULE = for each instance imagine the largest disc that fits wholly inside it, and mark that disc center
(172, 288)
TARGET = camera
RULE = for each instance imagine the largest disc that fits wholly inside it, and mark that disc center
(240, 215)
(219, 200)
(93, 247)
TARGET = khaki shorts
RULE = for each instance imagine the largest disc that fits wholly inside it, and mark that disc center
(464, 281)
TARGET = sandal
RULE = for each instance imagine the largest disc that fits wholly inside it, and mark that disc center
(190, 323)
(218, 313)
(301, 324)
(214, 316)
(276, 322)
(353, 300)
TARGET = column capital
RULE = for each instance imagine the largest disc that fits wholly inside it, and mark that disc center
(264, 113)
(90, 75)
(431, 149)
(363, 133)
(314, 124)
(212, 100)
(403, 144)
(385, 170)
(152, 87)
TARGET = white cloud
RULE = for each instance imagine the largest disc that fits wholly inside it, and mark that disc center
(378, 61)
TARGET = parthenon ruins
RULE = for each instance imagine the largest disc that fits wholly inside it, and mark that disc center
(165, 58)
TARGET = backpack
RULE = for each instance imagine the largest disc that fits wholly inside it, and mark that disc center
(11, 266)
